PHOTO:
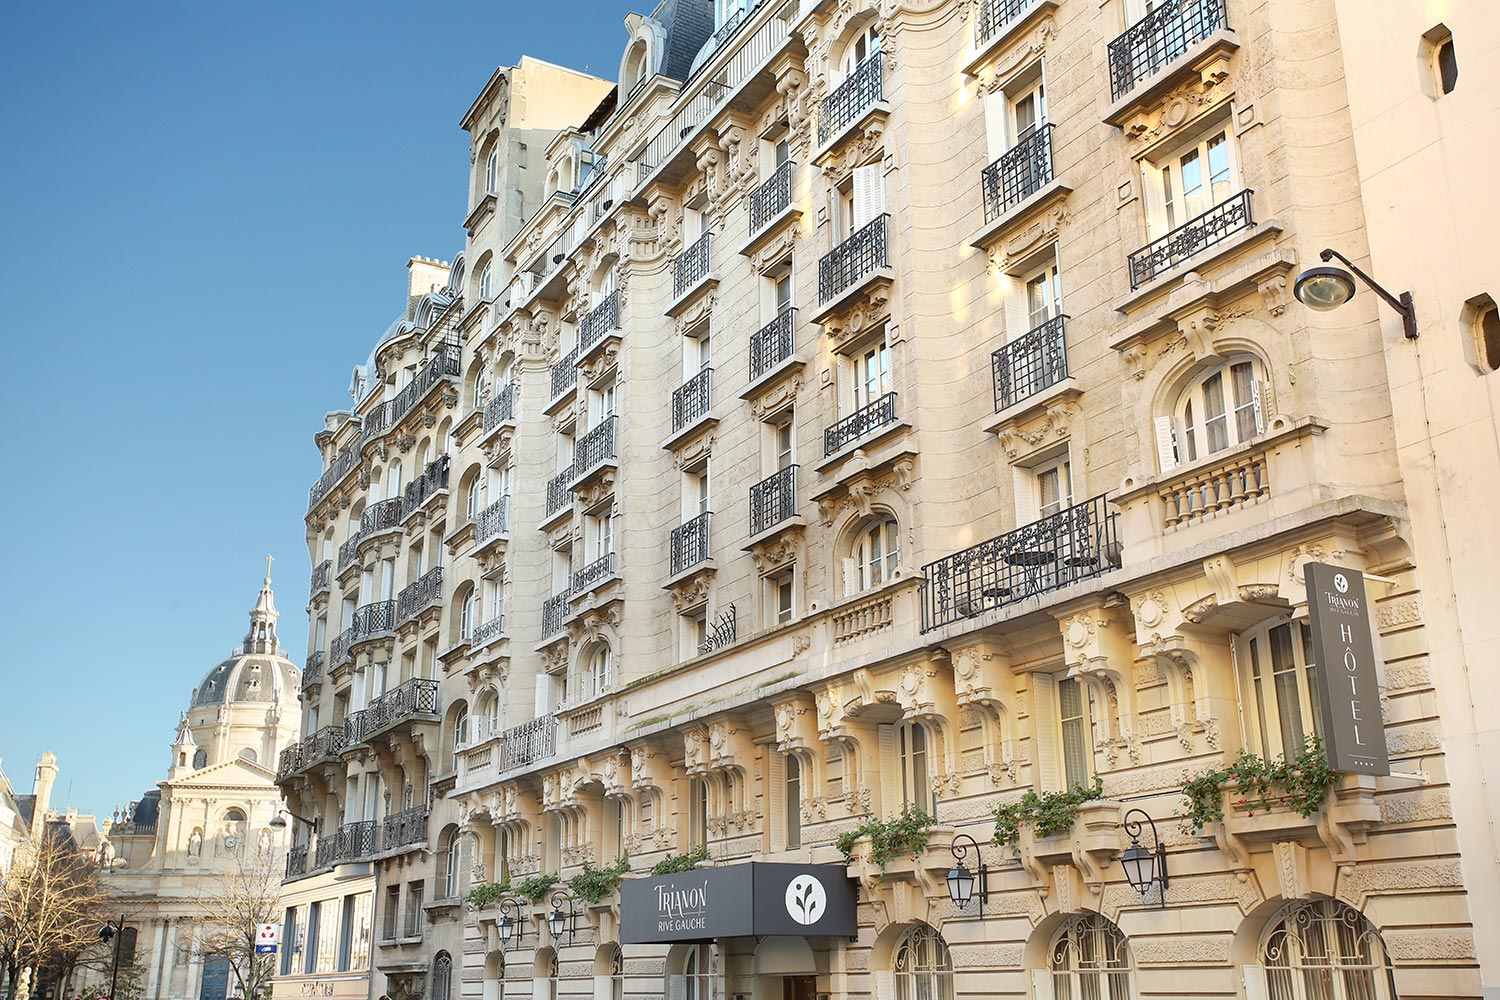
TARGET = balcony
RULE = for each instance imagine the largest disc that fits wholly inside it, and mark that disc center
(501, 410)
(593, 573)
(344, 464)
(296, 861)
(312, 673)
(859, 424)
(487, 632)
(564, 375)
(373, 619)
(593, 451)
(404, 829)
(351, 842)
(772, 344)
(375, 423)
(1213, 226)
(413, 699)
(773, 198)
(416, 598)
(853, 262)
(446, 363)
(690, 544)
(850, 99)
(354, 728)
(349, 552)
(1159, 39)
(432, 481)
(601, 320)
(338, 653)
(1030, 364)
(528, 743)
(325, 744)
(555, 614)
(491, 523)
(381, 516)
(322, 576)
(690, 272)
(1019, 173)
(692, 400)
(1074, 544)
(995, 15)
(559, 497)
(773, 500)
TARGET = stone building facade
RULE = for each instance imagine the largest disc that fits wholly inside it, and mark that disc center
(893, 407)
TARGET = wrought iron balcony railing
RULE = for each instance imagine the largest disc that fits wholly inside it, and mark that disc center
(692, 265)
(859, 423)
(849, 99)
(349, 552)
(996, 14)
(350, 842)
(296, 860)
(1222, 221)
(322, 576)
(312, 673)
(690, 543)
(424, 592)
(338, 651)
(1035, 361)
(433, 480)
(491, 522)
(373, 618)
(554, 613)
(411, 698)
(354, 728)
(601, 319)
(290, 761)
(1019, 173)
(594, 447)
(773, 499)
(341, 467)
(846, 264)
(380, 516)
(565, 373)
(600, 569)
(558, 494)
(446, 363)
(501, 409)
(404, 828)
(692, 400)
(773, 343)
(1073, 544)
(773, 197)
(528, 743)
(1160, 37)
(488, 631)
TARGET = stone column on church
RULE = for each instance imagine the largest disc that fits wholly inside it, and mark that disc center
(157, 961)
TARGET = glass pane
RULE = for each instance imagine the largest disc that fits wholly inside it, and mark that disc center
(1215, 423)
(1074, 736)
(1241, 377)
(1218, 167)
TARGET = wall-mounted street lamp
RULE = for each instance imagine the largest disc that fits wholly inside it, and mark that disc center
(509, 926)
(1144, 868)
(961, 880)
(561, 921)
(278, 822)
(1326, 288)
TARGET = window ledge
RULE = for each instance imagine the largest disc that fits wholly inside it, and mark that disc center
(482, 211)
(1215, 47)
(984, 51)
(854, 292)
(1207, 257)
(705, 567)
(1133, 488)
(702, 286)
(792, 214)
(830, 465)
(702, 423)
(1009, 223)
(785, 524)
(881, 108)
(1032, 405)
(792, 362)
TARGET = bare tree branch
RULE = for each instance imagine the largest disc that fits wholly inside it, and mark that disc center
(52, 906)
(232, 907)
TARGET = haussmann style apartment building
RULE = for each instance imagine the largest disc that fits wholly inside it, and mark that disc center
(860, 418)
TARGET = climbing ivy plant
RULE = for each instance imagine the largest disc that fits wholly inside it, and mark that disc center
(1048, 813)
(906, 834)
(1300, 784)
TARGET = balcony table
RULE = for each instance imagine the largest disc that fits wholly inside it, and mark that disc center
(1031, 563)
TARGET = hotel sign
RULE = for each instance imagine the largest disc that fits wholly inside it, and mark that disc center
(754, 898)
(1344, 654)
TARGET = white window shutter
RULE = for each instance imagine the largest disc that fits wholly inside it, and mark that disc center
(885, 983)
(1156, 206)
(1025, 491)
(869, 194)
(995, 113)
(1257, 399)
(1166, 444)
(776, 799)
(851, 576)
(676, 987)
(1256, 987)
(877, 189)
(890, 772)
(1046, 754)
(848, 376)
(580, 227)
(1041, 984)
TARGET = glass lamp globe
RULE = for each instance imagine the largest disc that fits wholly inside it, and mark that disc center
(507, 928)
(1140, 867)
(960, 884)
(1324, 288)
(558, 922)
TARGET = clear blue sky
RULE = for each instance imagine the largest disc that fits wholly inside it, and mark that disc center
(205, 213)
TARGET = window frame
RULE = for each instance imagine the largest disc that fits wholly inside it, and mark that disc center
(1185, 435)
(1167, 201)
(866, 568)
(914, 761)
(1265, 683)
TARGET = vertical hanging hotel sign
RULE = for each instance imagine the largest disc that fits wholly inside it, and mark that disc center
(1344, 654)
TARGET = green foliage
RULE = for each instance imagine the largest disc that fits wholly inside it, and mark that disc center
(674, 864)
(534, 887)
(1048, 813)
(593, 884)
(1301, 784)
(485, 894)
(907, 834)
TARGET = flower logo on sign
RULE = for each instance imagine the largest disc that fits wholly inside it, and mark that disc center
(805, 899)
(1341, 583)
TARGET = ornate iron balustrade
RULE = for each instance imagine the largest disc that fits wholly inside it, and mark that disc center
(772, 343)
(772, 197)
(488, 631)
(380, 516)
(996, 14)
(859, 423)
(447, 321)
(296, 860)
(374, 423)
(338, 653)
(447, 363)
(690, 543)
(692, 400)
(351, 842)
(491, 522)
(373, 618)
(601, 319)
(432, 481)
(558, 494)
(1071, 545)
(722, 633)
(427, 590)
(349, 552)
(354, 728)
(290, 761)
(692, 265)
(849, 99)
(417, 696)
(594, 447)
(312, 673)
(1223, 220)
(1019, 173)
(843, 266)
(554, 613)
(565, 373)
(341, 467)
(501, 409)
(404, 828)
(528, 743)
(1035, 361)
(773, 499)
(324, 744)
(600, 569)
(322, 575)
(1160, 37)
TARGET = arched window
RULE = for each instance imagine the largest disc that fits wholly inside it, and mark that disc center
(911, 747)
(487, 282)
(1276, 660)
(468, 616)
(492, 171)
(481, 390)
(698, 973)
(442, 976)
(1325, 950)
(1221, 408)
(460, 733)
(865, 45)
(598, 671)
(635, 74)
(449, 863)
(234, 816)
(200, 758)
(249, 755)
(1090, 958)
(610, 963)
(923, 967)
(873, 556)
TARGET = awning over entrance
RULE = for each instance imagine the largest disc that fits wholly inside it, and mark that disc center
(753, 898)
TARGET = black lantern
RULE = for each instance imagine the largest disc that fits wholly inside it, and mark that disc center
(1324, 289)
(961, 881)
(508, 926)
(560, 921)
(1144, 867)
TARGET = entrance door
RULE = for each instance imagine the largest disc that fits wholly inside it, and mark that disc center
(799, 988)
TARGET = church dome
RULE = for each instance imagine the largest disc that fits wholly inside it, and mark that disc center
(257, 671)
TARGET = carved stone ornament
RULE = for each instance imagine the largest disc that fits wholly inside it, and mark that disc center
(860, 315)
(1008, 254)
(774, 398)
(775, 251)
(696, 313)
(863, 488)
(701, 446)
(692, 593)
(778, 551)
(863, 145)
(1054, 425)
(1018, 56)
(1187, 102)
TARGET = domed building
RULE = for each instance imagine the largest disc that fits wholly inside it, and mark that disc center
(212, 815)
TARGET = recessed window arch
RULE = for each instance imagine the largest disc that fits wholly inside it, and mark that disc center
(913, 756)
(200, 758)
(1482, 319)
(698, 973)
(249, 755)
(234, 816)
(874, 553)
(636, 68)
(486, 283)
(596, 670)
(1324, 949)
(1090, 957)
(610, 962)
(459, 732)
(922, 966)
(442, 976)
(1220, 407)
(450, 864)
(862, 45)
